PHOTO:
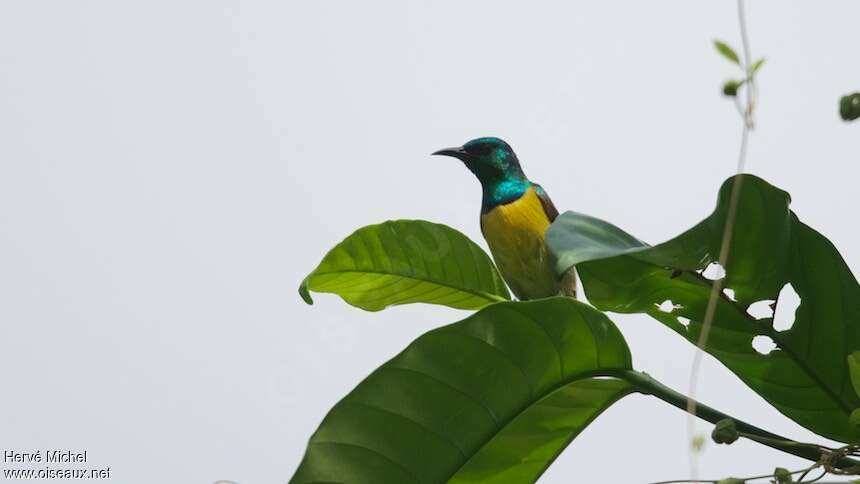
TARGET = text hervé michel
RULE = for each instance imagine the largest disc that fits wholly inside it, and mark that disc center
(45, 456)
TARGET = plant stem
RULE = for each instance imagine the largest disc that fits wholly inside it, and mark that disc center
(725, 246)
(645, 384)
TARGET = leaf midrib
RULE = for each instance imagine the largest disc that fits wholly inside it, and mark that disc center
(489, 296)
(615, 373)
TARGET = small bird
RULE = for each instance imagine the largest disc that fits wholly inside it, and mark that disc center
(515, 214)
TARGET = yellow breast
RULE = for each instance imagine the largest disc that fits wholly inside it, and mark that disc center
(515, 233)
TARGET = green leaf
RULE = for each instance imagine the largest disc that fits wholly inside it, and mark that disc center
(579, 237)
(854, 370)
(730, 87)
(849, 107)
(806, 378)
(855, 417)
(493, 398)
(757, 65)
(726, 51)
(407, 261)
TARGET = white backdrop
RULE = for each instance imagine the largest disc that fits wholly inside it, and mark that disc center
(170, 171)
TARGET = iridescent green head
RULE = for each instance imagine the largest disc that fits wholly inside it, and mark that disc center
(490, 159)
(496, 166)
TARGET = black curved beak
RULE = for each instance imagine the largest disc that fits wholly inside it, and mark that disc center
(457, 152)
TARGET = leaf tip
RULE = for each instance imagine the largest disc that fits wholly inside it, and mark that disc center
(305, 293)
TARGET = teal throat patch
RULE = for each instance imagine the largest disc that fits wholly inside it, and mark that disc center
(502, 192)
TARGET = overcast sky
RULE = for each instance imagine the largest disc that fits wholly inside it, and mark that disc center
(170, 171)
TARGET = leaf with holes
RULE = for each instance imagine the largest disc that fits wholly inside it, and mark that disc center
(407, 261)
(805, 376)
(493, 398)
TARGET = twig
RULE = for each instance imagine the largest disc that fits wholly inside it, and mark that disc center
(727, 236)
(643, 383)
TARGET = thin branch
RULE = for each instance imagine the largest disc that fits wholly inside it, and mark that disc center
(751, 90)
(725, 245)
(644, 383)
(688, 481)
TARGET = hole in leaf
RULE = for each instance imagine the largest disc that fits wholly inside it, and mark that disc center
(730, 293)
(684, 321)
(786, 305)
(763, 344)
(713, 271)
(761, 309)
(668, 306)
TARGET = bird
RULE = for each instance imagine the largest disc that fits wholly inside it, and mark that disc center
(515, 214)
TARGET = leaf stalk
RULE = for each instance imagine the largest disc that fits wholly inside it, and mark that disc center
(645, 384)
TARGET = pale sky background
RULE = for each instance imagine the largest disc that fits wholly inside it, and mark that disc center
(170, 171)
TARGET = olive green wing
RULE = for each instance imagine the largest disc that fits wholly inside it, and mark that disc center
(548, 206)
(567, 281)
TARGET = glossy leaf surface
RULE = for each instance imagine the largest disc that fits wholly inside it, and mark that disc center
(407, 261)
(806, 377)
(492, 399)
(854, 370)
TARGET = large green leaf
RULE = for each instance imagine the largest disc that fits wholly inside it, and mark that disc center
(806, 377)
(407, 261)
(493, 399)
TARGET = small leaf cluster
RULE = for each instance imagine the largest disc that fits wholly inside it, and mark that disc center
(731, 86)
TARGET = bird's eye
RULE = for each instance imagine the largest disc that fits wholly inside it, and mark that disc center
(480, 150)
